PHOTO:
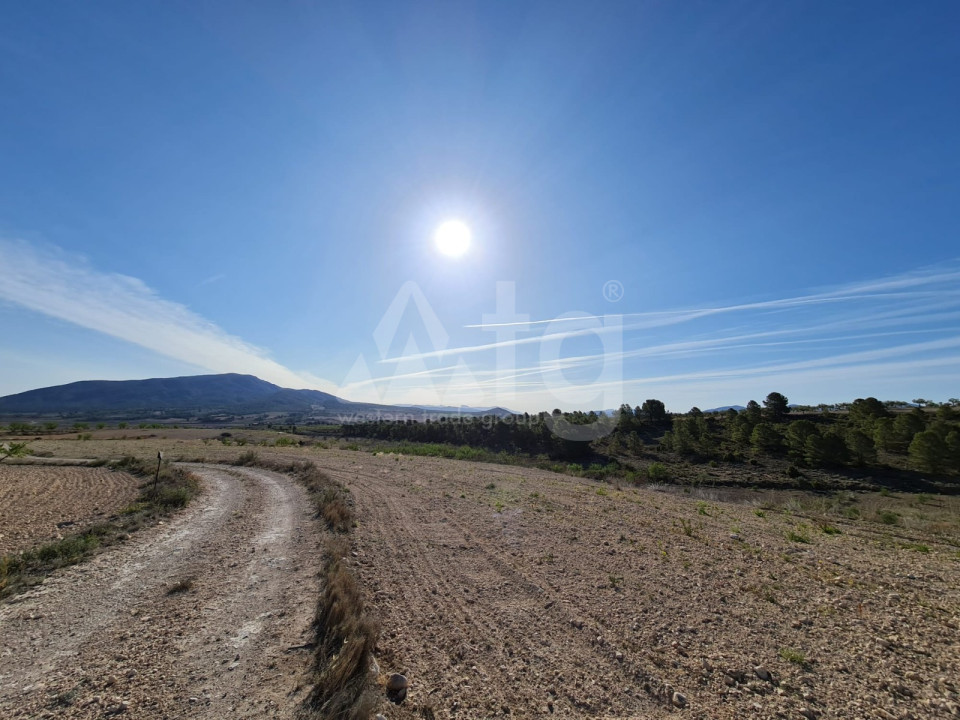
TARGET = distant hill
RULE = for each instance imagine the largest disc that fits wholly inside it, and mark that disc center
(462, 410)
(724, 408)
(195, 395)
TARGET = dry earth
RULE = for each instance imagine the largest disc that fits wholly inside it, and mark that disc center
(39, 504)
(503, 591)
(108, 637)
(506, 591)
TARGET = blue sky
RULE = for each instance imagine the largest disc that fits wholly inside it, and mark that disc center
(773, 189)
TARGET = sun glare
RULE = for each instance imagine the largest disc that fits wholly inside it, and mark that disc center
(452, 238)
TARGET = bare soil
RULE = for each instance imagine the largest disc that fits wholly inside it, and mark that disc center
(41, 504)
(200, 617)
(506, 592)
(513, 592)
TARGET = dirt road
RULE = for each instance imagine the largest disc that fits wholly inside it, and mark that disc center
(110, 638)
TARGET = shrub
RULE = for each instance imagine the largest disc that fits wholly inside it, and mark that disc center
(658, 472)
(247, 459)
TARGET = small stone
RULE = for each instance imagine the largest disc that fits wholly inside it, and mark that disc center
(619, 656)
(809, 713)
(397, 682)
(679, 699)
(762, 673)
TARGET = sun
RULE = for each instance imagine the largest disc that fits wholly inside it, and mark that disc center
(453, 238)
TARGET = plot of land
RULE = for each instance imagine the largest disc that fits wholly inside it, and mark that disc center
(194, 618)
(506, 591)
(39, 504)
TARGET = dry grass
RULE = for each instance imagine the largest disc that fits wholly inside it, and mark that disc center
(346, 638)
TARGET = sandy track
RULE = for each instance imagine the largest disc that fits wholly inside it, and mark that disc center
(106, 637)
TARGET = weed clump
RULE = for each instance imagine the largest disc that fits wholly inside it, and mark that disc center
(793, 656)
(347, 636)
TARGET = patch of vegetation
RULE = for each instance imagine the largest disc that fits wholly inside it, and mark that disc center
(899, 441)
(888, 517)
(797, 537)
(346, 637)
(13, 450)
(829, 529)
(793, 656)
(658, 472)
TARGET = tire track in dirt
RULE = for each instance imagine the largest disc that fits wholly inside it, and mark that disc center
(478, 634)
(108, 636)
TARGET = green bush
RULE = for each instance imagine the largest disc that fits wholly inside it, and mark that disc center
(658, 472)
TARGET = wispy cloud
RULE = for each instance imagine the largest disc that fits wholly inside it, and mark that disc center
(882, 289)
(210, 280)
(847, 332)
(67, 287)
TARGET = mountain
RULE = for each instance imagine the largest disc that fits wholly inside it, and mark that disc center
(195, 394)
(724, 408)
(462, 410)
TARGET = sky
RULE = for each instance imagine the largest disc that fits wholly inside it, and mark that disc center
(700, 202)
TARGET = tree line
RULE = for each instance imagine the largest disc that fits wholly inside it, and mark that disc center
(865, 433)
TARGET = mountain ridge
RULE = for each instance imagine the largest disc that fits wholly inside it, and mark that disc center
(232, 393)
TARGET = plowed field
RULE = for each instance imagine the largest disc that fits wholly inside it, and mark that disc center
(41, 503)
